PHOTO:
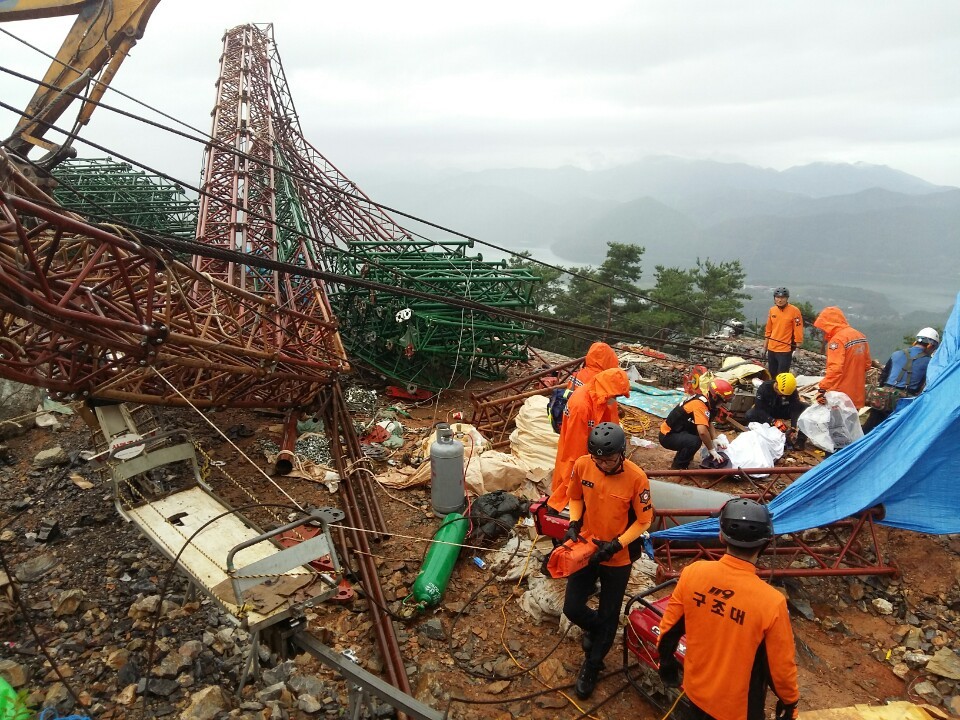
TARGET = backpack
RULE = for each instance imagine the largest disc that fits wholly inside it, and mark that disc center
(556, 406)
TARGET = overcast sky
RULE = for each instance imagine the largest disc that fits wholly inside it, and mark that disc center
(391, 88)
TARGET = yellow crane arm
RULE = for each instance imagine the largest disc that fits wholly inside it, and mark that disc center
(100, 39)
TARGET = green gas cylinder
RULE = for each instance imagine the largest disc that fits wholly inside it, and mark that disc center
(442, 555)
(11, 707)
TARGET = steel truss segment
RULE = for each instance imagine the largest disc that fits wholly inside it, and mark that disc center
(495, 410)
(844, 548)
(248, 205)
(86, 312)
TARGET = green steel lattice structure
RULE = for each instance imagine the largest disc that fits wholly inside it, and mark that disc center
(106, 190)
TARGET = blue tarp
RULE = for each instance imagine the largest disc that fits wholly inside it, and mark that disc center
(910, 464)
(652, 400)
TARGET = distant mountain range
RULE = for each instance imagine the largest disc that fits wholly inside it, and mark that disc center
(819, 225)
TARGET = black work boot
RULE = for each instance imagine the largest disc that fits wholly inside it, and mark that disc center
(586, 680)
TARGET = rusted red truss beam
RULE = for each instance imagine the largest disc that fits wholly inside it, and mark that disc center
(710, 478)
(847, 547)
(495, 410)
(86, 312)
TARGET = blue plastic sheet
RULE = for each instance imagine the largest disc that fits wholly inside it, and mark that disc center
(909, 464)
(652, 400)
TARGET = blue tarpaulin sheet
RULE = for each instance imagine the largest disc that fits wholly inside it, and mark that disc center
(909, 464)
(652, 400)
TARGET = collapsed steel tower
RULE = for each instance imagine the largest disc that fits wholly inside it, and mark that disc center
(269, 192)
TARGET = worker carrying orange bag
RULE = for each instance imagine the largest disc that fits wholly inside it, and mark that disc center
(610, 504)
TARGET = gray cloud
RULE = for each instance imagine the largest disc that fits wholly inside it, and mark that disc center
(383, 87)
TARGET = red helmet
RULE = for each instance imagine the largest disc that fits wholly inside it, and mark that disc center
(721, 390)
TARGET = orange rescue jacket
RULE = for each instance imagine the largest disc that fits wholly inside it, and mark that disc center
(732, 619)
(607, 501)
(784, 329)
(586, 409)
(848, 356)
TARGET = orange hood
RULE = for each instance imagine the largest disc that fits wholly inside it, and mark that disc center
(831, 320)
(610, 383)
(600, 357)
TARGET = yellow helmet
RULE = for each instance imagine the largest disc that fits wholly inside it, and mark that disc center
(785, 384)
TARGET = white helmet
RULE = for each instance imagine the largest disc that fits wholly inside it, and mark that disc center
(928, 335)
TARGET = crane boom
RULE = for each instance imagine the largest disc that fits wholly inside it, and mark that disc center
(99, 41)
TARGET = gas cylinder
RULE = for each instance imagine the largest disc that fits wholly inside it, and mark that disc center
(432, 581)
(12, 707)
(447, 494)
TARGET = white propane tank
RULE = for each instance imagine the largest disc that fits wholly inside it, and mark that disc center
(447, 493)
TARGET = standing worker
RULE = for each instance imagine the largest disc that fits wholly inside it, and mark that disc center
(738, 634)
(610, 503)
(687, 427)
(778, 403)
(848, 357)
(906, 371)
(783, 334)
(593, 403)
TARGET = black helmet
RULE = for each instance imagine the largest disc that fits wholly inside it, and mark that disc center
(607, 439)
(745, 524)
(781, 292)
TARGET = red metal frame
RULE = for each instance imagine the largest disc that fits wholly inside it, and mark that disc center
(495, 410)
(87, 312)
(711, 478)
(847, 547)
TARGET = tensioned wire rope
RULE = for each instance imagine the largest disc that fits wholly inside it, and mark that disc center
(604, 331)
(174, 244)
(206, 139)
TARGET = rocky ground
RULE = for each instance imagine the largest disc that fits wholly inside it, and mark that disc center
(79, 635)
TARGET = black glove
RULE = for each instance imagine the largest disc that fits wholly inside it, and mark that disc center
(606, 550)
(670, 672)
(573, 532)
(786, 712)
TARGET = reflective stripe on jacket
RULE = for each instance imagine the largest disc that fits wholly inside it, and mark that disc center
(586, 409)
(848, 356)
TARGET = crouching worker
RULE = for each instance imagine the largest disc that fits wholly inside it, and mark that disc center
(738, 634)
(609, 503)
(687, 427)
(778, 403)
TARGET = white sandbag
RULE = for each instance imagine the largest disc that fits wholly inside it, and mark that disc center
(533, 441)
(544, 599)
(501, 471)
(831, 426)
(512, 562)
(761, 446)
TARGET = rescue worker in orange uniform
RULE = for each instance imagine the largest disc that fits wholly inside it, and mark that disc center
(738, 634)
(600, 357)
(687, 427)
(593, 403)
(784, 332)
(610, 503)
(848, 357)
